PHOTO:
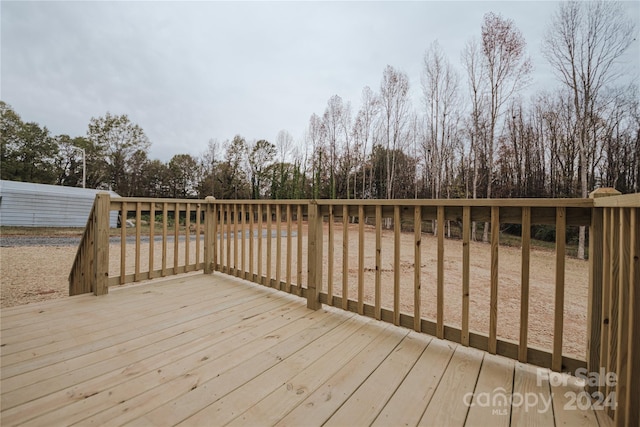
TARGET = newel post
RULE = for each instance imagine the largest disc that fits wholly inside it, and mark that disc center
(100, 269)
(597, 319)
(314, 256)
(209, 234)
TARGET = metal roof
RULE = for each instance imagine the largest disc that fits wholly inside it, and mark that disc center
(26, 204)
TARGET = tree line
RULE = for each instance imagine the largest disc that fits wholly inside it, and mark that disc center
(474, 134)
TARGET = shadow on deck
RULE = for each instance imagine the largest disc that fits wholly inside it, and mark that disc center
(213, 350)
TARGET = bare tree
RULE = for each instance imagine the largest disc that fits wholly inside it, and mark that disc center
(583, 43)
(316, 139)
(284, 143)
(363, 129)
(395, 106)
(347, 158)
(507, 70)
(332, 121)
(472, 60)
(440, 95)
(208, 161)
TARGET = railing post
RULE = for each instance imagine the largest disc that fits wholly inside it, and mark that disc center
(100, 271)
(209, 236)
(596, 263)
(314, 256)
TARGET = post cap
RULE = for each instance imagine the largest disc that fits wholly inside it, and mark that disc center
(604, 192)
(209, 198)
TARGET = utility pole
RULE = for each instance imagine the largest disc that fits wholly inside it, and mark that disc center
(84, 168)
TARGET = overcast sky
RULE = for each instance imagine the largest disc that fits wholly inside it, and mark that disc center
(187, 72)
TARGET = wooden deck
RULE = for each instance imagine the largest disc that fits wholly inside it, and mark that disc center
(213, 350)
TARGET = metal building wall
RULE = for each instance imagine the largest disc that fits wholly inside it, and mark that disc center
(26, 204)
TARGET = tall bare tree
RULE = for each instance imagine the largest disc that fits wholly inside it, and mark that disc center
(316, 135)
(476, 123)
(507, 70)
(394, 106)
(583, 43)
(332, 120)
(363, 131)
(440, 96)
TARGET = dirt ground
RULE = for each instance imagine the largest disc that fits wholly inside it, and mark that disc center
(31, 274)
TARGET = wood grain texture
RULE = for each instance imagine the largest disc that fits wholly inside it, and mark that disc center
(378, 278)
(440, 274)
(466, 233)
(633, 373)
(524, 284)
(493, 303)
(417, 267)
(216, 349)
(396, 265)
(123, 242)
(558, 316)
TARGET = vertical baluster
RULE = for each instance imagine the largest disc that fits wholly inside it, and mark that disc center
(278, 246)
(361, 259)
(417, 269)
(228, 250)
(624, 283)
(235, 239)
(524, 285)
(614, 295)
(136, 274)
(466, 232)
(606, 283)
(633, 373)
(561, 220)
(198, 213)
(345, 257)
(440, 274)
(176, 236)
(123, 243)
(493, 304)
(331, 256)
(260, 245)
(164, 238)
(299, 251)
(396, 265)
(378, 282)
(288, 267)
(269, 260)
(243, 237)
(152, 237)
(251, 237)
(187, 236)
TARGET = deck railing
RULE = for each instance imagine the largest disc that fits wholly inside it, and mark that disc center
(614, 311)
(335, 252)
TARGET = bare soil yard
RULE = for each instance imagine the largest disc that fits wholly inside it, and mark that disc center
(30, 274)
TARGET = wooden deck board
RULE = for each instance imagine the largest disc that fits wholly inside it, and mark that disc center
(210, 350)
(458, 380)
(363, 406)
(410, 400)
(491, 405)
